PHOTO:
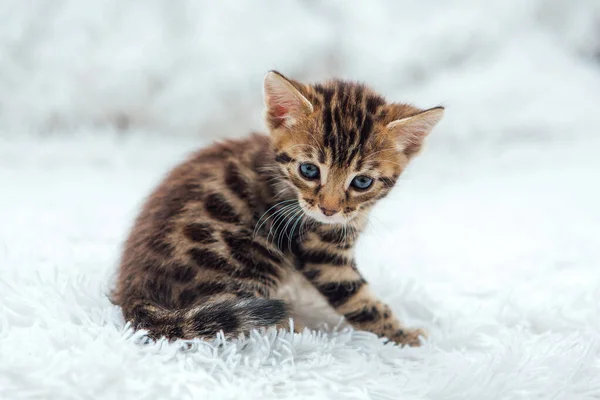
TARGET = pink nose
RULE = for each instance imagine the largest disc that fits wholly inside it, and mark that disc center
(327, 211)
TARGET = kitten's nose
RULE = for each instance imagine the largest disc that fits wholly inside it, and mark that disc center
(327, 211)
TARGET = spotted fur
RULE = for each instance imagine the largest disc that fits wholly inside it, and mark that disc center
(217, 238)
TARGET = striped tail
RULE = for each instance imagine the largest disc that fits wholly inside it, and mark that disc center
(232, 316)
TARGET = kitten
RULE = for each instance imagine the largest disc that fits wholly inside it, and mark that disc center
(220, 234)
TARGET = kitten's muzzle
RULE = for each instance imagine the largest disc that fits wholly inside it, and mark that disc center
(327, 211)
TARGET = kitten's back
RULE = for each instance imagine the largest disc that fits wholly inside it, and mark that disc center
(175, 273)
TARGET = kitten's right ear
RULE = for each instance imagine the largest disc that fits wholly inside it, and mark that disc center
(284, 104)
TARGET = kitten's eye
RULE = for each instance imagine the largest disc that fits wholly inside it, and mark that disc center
(361, 182)
(309, 171)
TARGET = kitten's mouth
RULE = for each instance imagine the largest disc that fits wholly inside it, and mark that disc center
(322, 218)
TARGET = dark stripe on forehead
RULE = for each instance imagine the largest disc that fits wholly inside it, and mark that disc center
(328, 133)
(327, 120)
(359, 123)
(340, 135)
(339, 107)
(326, 94)
(345, 93)
(348, 115)
(349, 107)
(373, 102)
(321, 156)
(336, 112)
(358, 94)
(365, 131)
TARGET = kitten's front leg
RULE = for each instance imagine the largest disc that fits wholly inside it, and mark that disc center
(346, 290)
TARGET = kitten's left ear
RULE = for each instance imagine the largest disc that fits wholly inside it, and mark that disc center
(411, 131)
(284, 104)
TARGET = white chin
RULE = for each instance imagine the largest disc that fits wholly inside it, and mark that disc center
(334, 219)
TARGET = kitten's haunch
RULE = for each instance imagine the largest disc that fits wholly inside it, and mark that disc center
(226, 228)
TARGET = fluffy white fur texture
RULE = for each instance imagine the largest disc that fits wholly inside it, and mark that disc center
(491, 241)
(497, 255)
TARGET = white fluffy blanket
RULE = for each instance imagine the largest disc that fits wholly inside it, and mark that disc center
(497, 256)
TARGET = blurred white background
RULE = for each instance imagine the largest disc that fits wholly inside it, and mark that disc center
(490, 241)
(506, 69)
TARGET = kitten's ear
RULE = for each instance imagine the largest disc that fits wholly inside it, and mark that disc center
(284, 104)
(411, 131)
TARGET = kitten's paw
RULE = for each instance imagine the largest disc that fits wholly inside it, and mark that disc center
(409, 336)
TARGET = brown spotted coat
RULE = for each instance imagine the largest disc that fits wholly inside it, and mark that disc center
(224, 229)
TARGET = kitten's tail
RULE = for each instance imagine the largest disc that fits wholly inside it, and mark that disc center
(233, 317)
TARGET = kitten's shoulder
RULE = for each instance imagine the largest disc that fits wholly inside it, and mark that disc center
(206, 169)
(240, 150)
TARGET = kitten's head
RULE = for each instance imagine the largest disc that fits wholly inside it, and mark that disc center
(339, 145)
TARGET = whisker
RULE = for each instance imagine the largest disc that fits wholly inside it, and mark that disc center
(282, 231)
(380, 151)
(393, 162)
(277, 215)
(282, 191)
(291, 235)
(297, 145)
(257, 227)
(302, 227)
(381, 222)
(285, 232)
(280, 213)
(286, 219)
(315, 139)
(370, 218)
(304, 144)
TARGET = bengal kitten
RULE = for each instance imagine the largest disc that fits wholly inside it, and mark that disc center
(227, 227)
